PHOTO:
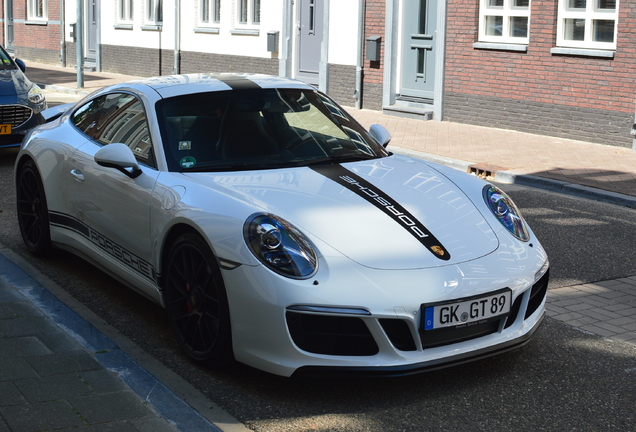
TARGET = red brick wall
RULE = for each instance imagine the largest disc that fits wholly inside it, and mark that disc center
(374, 16)
(37, 36)
(538, 76)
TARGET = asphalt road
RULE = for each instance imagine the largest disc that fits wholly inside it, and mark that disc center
(564, 380)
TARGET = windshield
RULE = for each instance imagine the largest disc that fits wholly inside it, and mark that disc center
(5, 60)
(259, 129)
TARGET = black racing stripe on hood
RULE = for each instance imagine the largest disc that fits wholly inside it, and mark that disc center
(384, 202)
(237, 82)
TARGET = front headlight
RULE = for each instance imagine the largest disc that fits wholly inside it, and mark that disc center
(280, 246)
(35, 95)
(506, 211)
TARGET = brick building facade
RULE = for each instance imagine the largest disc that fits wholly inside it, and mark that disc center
(531, 81)
(569, 95)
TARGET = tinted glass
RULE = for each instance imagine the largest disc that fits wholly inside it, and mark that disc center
(117, 118)
(5, 61)
(257, 129)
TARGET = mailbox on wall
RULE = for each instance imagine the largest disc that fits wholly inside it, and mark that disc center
(272, 41)
(373, 48)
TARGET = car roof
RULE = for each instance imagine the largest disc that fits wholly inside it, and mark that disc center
(174, 85)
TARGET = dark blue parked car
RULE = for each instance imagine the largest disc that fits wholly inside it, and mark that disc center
(21, 101)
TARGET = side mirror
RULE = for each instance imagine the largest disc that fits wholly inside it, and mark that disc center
(21, 65)
(381, 134)
(120, 157)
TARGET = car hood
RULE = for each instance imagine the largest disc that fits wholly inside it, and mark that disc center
(13, 82)
(389, 213)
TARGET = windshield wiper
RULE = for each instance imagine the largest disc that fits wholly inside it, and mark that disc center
(242, 166)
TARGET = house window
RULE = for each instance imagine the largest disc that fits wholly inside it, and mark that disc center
(125, 13)
(154, 11)
(210, 11)
(504, 21)
(249, 11)
(587, 24)
(37, 9)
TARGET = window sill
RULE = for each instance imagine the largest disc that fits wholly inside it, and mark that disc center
(245, 32)
(583, 52)
(500, 46)
(207, 30)
(123, 26)
(36, 22)
(156, 27)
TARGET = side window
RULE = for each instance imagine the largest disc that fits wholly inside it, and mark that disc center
(117, 118)
(587, 24)
(504, 21)
(86, 117)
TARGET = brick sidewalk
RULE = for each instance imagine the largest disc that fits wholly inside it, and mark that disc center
(604, 308)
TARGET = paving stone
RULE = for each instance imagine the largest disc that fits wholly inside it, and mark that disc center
(102, 381)
(59, 342)
(44, 416)
(9, 394)
(614, 329)
(153, 424)
(24, 309)
(580, 307)
(28, 326)
(6, 312)
(621, 321)
(22, 347)
(111, 407)
(598, 330)
(120, 426)
(62, 363)
(54, 387)
(15, 369)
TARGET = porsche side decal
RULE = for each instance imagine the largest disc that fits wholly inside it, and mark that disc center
(122, 255)
(382, 201)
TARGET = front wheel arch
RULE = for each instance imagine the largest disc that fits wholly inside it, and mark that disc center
(195, 298)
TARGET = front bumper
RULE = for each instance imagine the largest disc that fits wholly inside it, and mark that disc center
(290, 327)
(20, 127)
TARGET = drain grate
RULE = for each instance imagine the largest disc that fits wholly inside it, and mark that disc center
(485, 170)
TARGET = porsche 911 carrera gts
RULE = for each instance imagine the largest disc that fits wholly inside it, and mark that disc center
(277, 231)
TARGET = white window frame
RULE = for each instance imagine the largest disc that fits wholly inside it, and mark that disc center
(248, 12)
(214, 12)
(154, 7)
(125, 11)
(507, 11)
(589, 15)
(32, 10)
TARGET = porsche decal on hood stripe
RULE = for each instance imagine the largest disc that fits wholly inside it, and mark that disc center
(382, 201)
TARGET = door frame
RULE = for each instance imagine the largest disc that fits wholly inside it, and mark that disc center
(392, 70)
(323, 68)
(97, 28)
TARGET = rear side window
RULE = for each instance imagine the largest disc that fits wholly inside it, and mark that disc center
(117, 118)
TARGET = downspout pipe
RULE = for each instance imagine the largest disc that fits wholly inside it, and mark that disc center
(62, 35)
(177, 37)
(360, 60)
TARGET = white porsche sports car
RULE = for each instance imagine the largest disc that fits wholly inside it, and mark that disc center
(276, 230)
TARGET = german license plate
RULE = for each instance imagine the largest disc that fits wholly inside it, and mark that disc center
(5, 129)
(467, 311)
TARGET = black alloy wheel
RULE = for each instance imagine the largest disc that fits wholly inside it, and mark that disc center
(196, 301)
(33, 213)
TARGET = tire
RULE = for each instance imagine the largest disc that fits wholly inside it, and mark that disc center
(196, 302)
(33, 212)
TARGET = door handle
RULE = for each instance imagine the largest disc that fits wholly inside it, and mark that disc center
(77, 174)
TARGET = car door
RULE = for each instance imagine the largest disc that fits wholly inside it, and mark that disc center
(113, 207)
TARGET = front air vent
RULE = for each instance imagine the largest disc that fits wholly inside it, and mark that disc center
(331, 335)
